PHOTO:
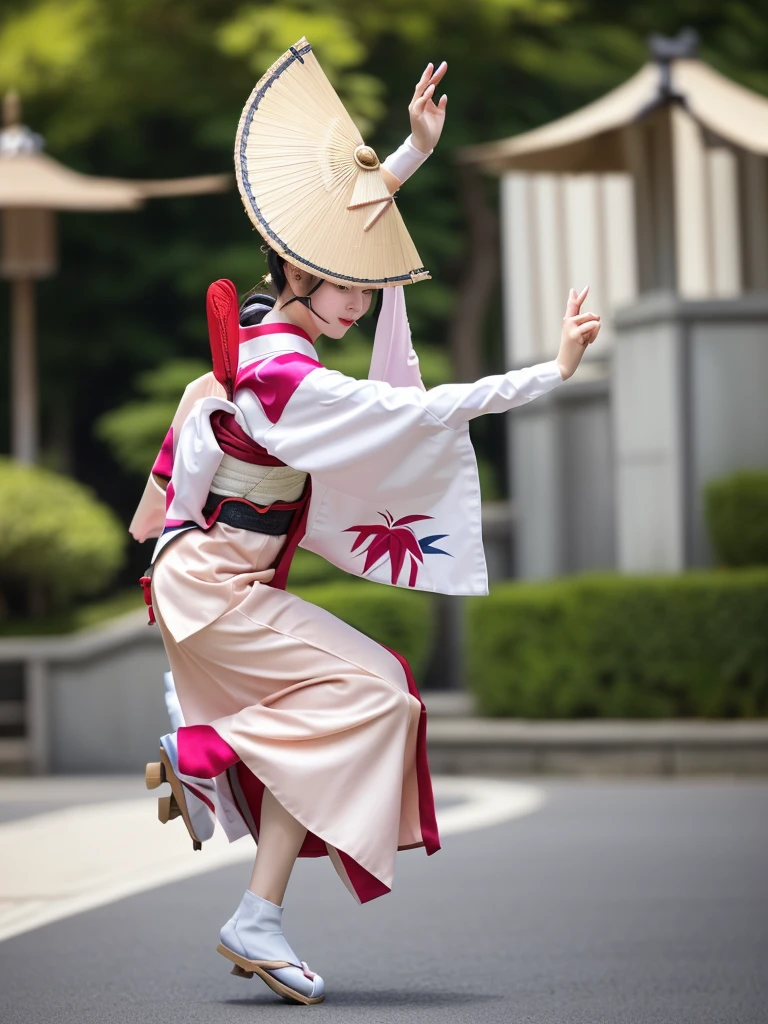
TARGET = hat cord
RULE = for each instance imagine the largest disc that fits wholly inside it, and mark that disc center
(306, 301)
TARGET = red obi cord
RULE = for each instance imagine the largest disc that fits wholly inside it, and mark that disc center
(233, 440)
(146, 586)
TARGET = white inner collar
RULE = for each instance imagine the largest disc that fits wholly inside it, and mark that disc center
(272, 344)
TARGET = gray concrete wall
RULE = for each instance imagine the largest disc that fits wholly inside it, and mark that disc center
(689, 386)
(93, 701)
(608, 470)
(536, 488)
(107, 710)
(647, 408)
(561, 473)
(588, 516)
(729, 410)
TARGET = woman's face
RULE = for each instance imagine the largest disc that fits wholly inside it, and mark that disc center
(340, 305)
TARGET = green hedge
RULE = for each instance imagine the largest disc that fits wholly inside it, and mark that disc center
(694, 645)
(309, 569)
(736, 512)
(134, 431)
(57, 541)
(397, 618)
(77, 616)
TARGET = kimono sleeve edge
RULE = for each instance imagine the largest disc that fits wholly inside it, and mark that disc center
(377, 383)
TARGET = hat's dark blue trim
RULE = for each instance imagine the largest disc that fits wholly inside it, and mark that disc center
(294, 56)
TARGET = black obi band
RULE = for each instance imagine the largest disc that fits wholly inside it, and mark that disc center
(245, 516)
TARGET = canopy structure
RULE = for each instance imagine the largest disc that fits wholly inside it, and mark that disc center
(695, 145)
(35, 180)
(591, 139)
(31, 179)
(33, 187)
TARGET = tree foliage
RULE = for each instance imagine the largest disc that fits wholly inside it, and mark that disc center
(135, 431)
(154, 88)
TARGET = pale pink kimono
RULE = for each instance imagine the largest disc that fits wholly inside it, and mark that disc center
(291, 698)
(275, 691)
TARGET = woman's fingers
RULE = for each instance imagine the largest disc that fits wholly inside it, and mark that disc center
(439, 73)
(589, 331)
(419, 105)
(575, 300)
(425, 86)
(583, 318)
(421, 85)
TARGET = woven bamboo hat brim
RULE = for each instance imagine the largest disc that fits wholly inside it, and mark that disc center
(310, 185)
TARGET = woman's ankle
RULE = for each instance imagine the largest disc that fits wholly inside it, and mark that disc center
(265, 899)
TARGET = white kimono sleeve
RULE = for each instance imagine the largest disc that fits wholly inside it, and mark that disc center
(364, 437)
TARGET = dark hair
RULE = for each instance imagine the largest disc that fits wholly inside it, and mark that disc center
(255, 307)
(257, 304)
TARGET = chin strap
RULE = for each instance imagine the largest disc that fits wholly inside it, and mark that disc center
(306, 301)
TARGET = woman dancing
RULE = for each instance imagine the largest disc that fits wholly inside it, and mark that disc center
(298, 728)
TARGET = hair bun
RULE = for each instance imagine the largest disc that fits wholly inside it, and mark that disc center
(254, 308)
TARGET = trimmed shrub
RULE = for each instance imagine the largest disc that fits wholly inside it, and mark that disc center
(399, 619)
(591, 646)
(736, 513)
(134, 431)
(57, 541)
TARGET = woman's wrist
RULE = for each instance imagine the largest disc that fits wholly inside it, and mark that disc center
(406, 160)
(421, 150)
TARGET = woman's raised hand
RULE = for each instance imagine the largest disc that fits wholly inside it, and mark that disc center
(579, 330)
(427, 117)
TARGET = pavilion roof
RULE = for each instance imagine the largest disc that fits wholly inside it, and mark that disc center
(30, 178)
(590, 139)
(38, 181)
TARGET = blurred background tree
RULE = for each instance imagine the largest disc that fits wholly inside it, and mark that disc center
(153, 88)
(57, 542)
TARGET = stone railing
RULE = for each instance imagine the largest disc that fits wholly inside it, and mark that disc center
(90, 702)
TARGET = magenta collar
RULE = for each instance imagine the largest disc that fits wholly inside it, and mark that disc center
(261, 330)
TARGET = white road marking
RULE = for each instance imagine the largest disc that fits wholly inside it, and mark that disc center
(65, 862)
(484, 802)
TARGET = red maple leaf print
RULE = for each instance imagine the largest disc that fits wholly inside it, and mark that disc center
(396, 539)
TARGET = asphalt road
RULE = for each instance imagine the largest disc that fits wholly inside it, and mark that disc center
(629, 902)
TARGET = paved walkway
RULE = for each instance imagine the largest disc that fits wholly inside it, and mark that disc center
(106, 844)
(613, 902)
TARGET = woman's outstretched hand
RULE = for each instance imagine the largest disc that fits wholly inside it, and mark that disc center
(427, 117)
(579, 330)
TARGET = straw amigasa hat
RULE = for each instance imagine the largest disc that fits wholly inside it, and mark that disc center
(311, 186)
